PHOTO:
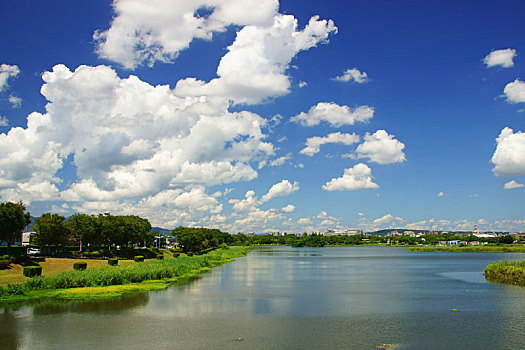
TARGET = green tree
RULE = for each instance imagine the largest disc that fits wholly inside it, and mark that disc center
(13, 219)
(51, 229)
(507, 239)
(83, 229)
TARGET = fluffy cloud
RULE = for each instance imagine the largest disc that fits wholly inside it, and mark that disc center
(443, 194)
(7, 71)
(334, 114)
(283, 188)
(3, 121)
(313, 144)
(353, 75)
(381, 148)
(254, 67)
(288, 209)
(249, 203)
(386, 218)
(512, 184)
(358, 177)
(501, 58)
(147, 31)
(509, 157)
(127, 139)
(515, 91)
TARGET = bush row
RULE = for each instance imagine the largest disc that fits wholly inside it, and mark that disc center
(117, 275)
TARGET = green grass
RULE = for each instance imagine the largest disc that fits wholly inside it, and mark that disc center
(508, 272)
(469, 249)
(117, 280)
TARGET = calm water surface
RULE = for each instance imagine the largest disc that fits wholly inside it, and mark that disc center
(296, 298)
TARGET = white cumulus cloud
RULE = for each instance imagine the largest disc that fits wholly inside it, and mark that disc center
(283, 188)
(127, 139)
(313, 144)
(334, 114)
(515, 91)
(254, 67)
(288, 209)
(143, 31)
(358, 177)
(512, 184)
(381, 148)
(502, 58)
(386, 218)
(509, 156)
(3, 121)
(352, 75)
(7, 71)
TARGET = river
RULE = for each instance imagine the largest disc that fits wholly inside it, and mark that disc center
(296, 298)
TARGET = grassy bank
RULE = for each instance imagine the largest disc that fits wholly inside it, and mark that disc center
(470, 249)
(50, 266)
(108, 281)
(508, 272)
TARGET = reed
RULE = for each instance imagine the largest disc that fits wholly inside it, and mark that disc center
(508, 272)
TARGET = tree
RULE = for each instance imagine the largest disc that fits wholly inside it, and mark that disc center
(51, 229)
(83, 229)
(13, 219)
(507, 239)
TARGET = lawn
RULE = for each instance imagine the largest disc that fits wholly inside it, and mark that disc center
(50, 267)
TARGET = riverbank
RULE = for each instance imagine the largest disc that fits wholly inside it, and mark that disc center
(507, 272)
(111, 281)
(468, 249)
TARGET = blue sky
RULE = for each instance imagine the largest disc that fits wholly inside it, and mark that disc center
(239, 114)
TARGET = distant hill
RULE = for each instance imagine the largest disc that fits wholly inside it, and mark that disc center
(164, 231)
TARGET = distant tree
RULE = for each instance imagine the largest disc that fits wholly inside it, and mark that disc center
(51, 229)
(507, 239)
(13, 219)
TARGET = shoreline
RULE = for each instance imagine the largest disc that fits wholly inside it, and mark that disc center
(202, 264)
(468, 249)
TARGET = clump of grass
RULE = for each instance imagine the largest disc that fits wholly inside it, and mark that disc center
(508, 272)
(120, 275)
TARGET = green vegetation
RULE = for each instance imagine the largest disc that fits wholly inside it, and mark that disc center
(508, 272)
(32, 271)
(166, 270)
(139, 258)
(470, 249)
(13, 219)
(112, 262)
(80, 266)
(199, 240)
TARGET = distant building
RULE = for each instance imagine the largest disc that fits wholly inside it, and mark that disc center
(349, 232)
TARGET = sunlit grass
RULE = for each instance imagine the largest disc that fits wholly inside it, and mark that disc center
(131, 274)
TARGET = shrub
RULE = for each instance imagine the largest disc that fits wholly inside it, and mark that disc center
(139, 258)
(32, 271)
(176, 255)
(4, 264)
(160, 257)
(189, 253)
(78, 266)
(112, 262)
